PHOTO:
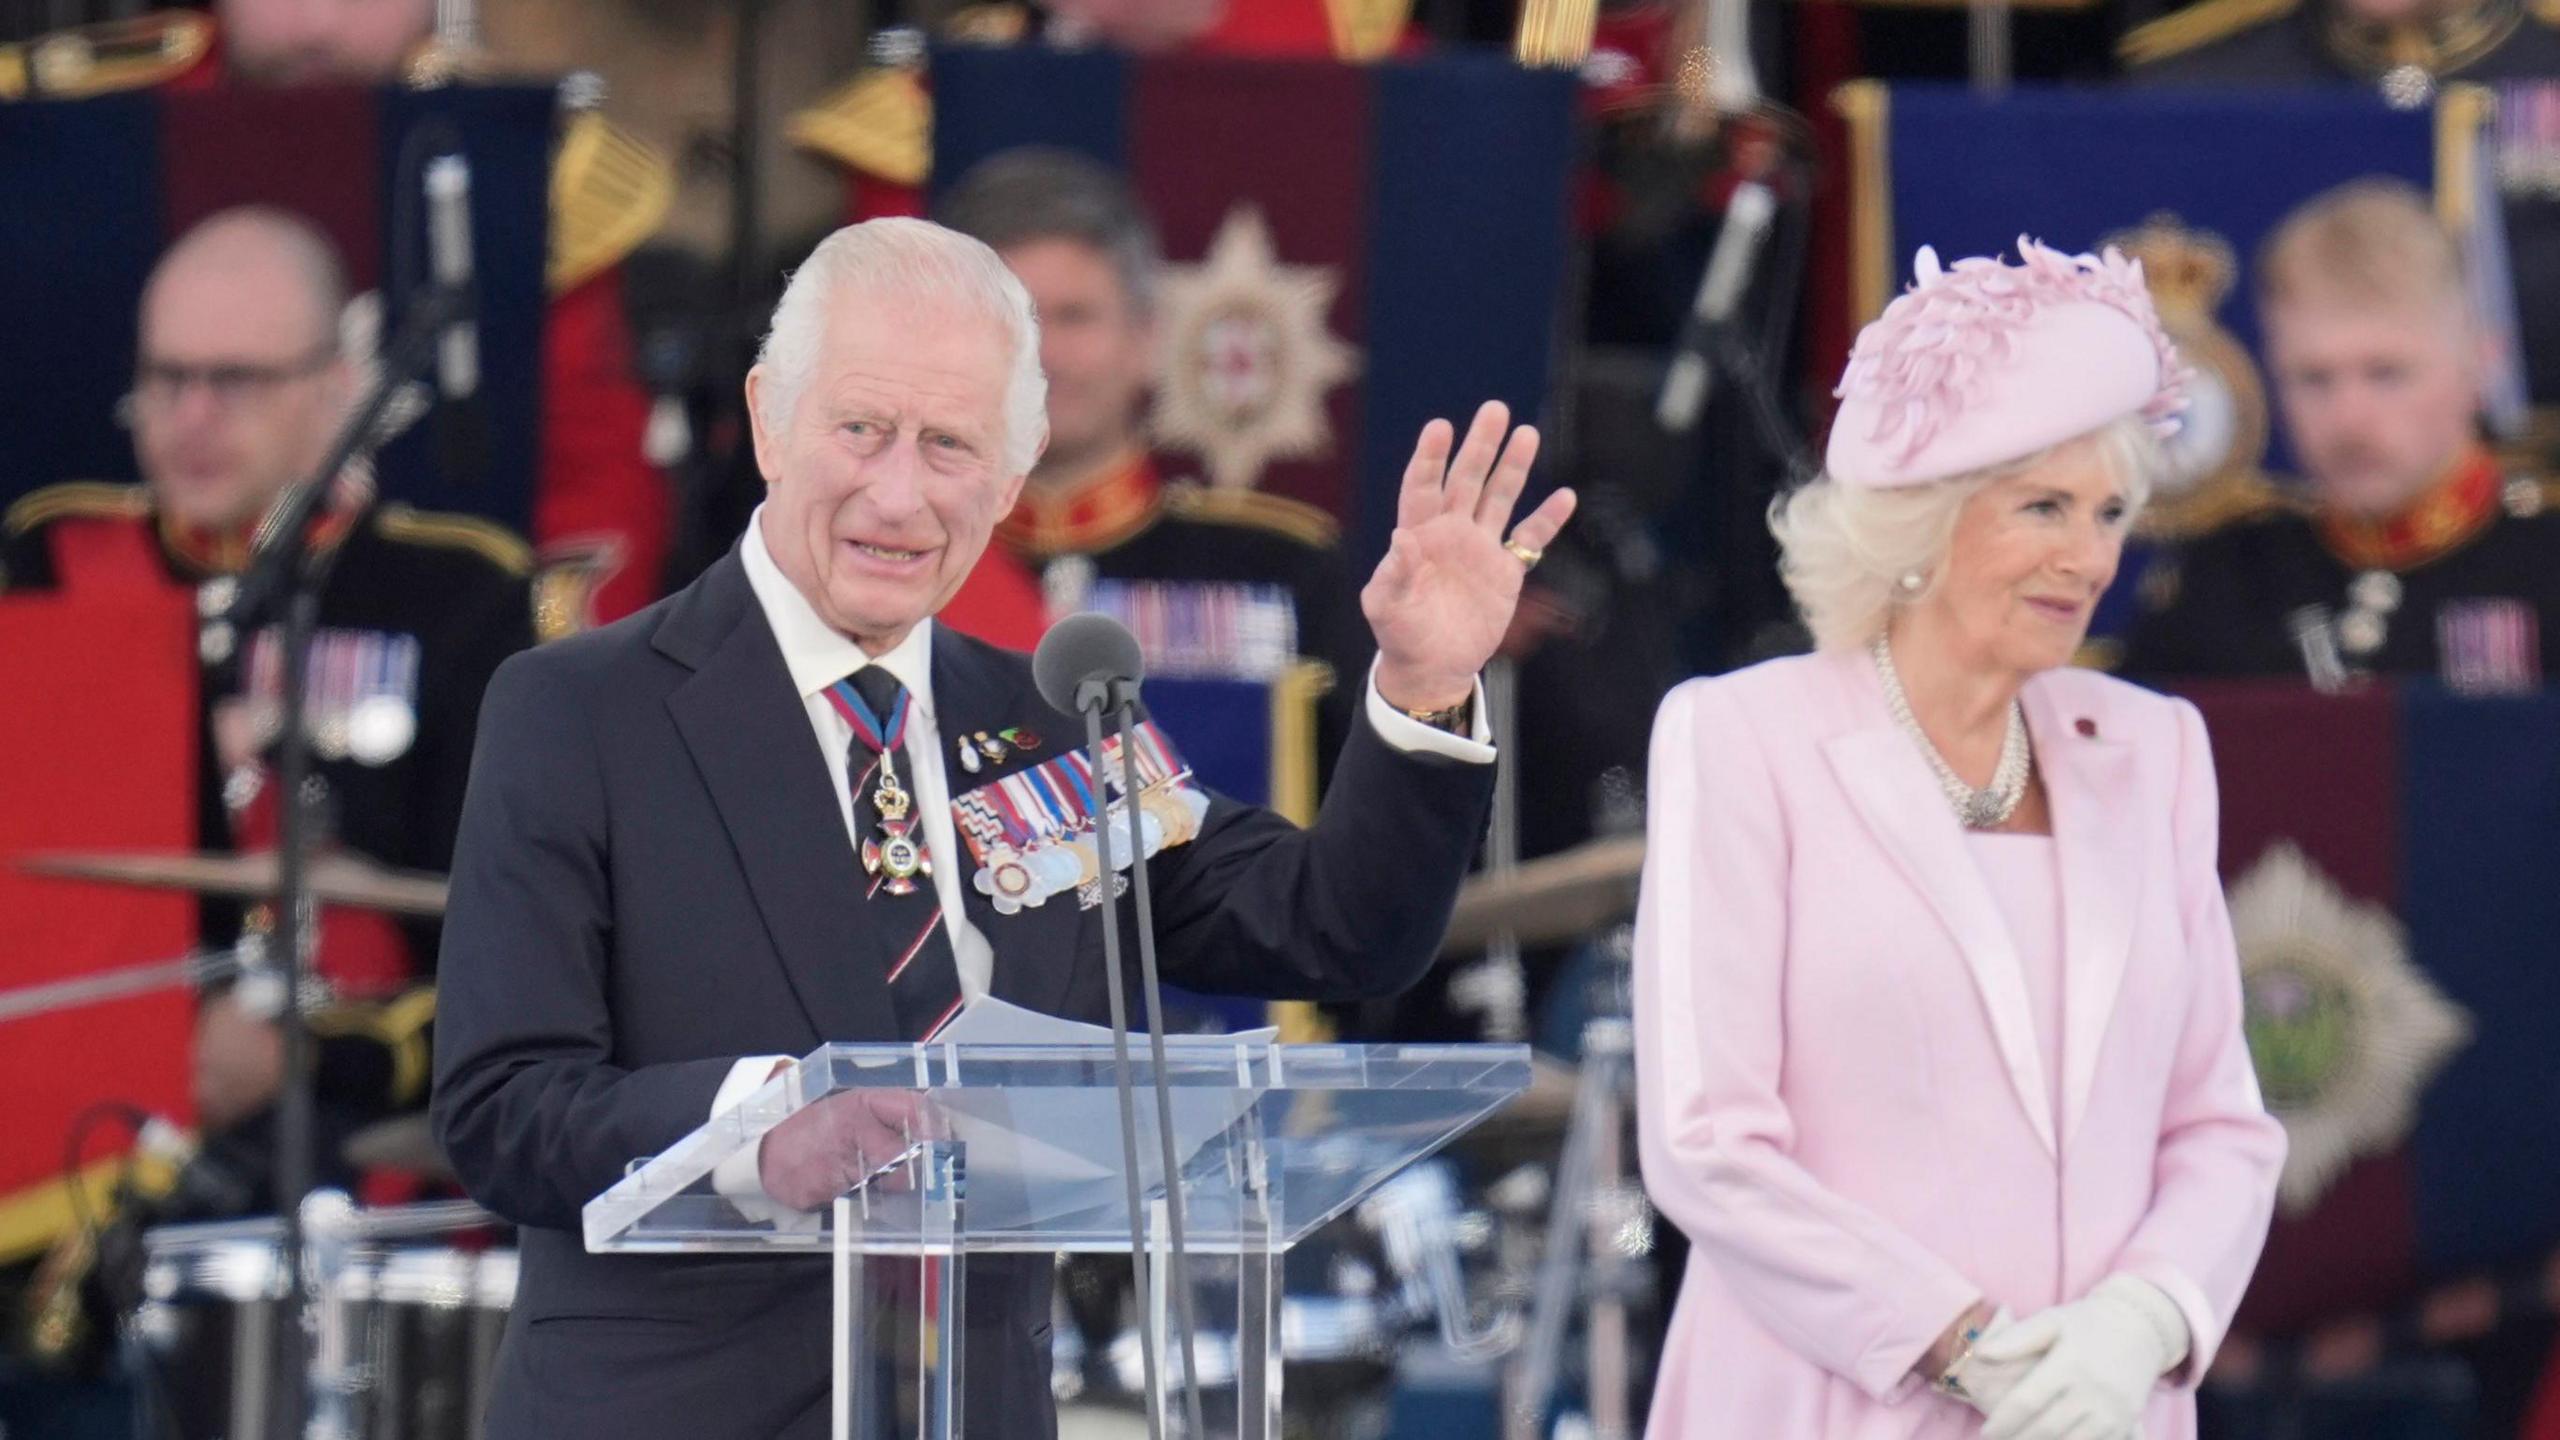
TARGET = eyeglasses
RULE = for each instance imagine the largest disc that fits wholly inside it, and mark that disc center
(158, 385)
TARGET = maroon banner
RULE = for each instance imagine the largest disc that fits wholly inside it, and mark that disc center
(315, 153)
(1291, 141)
(2320, 772)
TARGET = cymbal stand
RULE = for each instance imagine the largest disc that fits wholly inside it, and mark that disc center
(1598, 1227)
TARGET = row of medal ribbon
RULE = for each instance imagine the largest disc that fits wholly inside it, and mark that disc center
(1032, 832)
(363, 693)
(1186, 628)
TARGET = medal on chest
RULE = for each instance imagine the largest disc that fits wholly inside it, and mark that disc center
(894, 857)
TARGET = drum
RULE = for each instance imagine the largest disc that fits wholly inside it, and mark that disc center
(202, 1343)
(424, 1326)
(409, 1334)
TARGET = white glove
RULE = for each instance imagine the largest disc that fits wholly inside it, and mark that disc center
(1983, 1383)
(2102, 1354)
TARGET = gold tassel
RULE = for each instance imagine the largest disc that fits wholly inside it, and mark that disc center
(1555, 33)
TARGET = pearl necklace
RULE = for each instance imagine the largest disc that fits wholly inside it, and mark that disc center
(1975, 809)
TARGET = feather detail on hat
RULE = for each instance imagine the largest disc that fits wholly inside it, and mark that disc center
(1931, 355)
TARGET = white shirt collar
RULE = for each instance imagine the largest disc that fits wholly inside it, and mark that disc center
(818, 654)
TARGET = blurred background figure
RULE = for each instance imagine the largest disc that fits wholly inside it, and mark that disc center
(2410, 550)
(2405, 48)
(240, 387)
(603, 515)
(1099, 509)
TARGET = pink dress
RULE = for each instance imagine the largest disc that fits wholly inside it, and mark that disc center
(2025, 884)
(1884, 1067)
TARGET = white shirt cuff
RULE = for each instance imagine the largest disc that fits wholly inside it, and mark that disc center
(737, 1177)
(1413, 737)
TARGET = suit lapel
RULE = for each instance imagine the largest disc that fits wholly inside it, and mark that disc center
(979, 688)
(1893, 790)
(2090, 783)
(742, 720)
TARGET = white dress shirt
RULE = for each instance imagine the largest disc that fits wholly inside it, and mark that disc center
(818, 655)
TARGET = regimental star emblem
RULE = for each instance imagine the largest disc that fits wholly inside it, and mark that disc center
(2346, 1033)
(1247, 360)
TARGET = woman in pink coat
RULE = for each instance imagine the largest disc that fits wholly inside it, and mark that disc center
(1938, 1047)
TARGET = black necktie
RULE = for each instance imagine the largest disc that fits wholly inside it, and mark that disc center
(901, 912)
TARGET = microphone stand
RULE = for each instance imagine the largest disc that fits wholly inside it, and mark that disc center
(285, 576)
(1093, 697)
(1153, 992)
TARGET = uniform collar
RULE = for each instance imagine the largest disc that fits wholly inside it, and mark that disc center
(1095, 513)
(816, 653)
(199, 552)
(2447, 515)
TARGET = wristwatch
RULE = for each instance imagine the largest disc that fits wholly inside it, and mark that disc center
(1458, 719)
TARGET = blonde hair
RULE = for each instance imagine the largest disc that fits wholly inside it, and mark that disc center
(2368, 244)
(1843, 550)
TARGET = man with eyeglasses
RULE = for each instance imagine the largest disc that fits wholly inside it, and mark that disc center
(603, 510)
(239, 388)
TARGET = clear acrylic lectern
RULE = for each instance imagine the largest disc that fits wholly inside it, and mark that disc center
(1017, 1149)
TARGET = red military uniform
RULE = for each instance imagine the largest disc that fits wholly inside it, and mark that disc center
(603, 515)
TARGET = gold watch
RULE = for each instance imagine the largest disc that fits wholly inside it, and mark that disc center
(1458, 719)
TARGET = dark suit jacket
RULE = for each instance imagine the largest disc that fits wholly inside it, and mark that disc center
(653, 879)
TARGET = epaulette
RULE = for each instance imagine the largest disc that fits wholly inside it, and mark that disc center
(2262, 501)
(2546, 11)
(2195, 26)
(399, 1026)
(105, 58)
(486, 539)
(988, 24)
(2102, 653)
(609, 192)
(2219, 504)
(1278, 514)
(93, 499)
(1367, 29)
(880, 124)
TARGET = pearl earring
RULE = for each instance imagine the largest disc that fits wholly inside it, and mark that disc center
(1912, 580)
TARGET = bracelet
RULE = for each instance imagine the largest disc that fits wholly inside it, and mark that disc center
(1947, 1383)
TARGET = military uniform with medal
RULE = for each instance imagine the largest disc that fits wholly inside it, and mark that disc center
(2463, 585)
(419, 610)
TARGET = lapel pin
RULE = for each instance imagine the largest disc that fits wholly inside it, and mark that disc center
(968, 755)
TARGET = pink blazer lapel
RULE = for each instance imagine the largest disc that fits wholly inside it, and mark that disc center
(2091, 782)
(1894, 792)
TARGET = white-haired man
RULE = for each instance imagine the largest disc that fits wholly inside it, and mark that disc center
(657, 890)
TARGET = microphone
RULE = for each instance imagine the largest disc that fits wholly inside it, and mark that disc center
(1090, 663)
(462, 440)
(449, 259)
(1747, 216)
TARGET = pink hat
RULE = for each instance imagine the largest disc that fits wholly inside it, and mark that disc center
(1988, 362)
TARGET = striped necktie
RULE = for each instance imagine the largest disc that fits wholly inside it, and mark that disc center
(901, 912)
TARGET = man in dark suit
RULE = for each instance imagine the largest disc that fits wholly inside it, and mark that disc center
(674, 862)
